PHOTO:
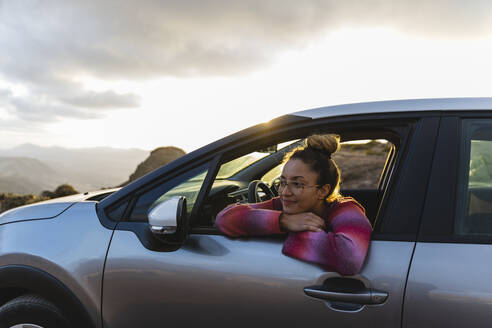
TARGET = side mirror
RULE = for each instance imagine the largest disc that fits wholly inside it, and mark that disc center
(168, 220)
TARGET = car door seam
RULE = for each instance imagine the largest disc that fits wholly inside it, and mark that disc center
(420, 223)
(102, 277)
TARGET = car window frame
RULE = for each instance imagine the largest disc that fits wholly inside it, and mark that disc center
(438, 218)
(405, 194)
(141, 228)
(404, 124)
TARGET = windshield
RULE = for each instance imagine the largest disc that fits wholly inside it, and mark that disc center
(230, 168)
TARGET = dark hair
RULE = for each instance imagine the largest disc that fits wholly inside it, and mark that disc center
(317, 154)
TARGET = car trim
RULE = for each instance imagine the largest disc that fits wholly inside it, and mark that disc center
(399, 125)
(228, 146)
(392, 106)
(401, 216)
(440, 209)
(225, 144)
(201, 155)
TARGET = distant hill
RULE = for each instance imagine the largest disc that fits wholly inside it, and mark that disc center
(33, 169)
(22, 175)
(361, 164)
(86, 168)
(157, 158)
(21, 165)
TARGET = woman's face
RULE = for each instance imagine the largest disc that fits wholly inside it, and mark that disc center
(299, 191)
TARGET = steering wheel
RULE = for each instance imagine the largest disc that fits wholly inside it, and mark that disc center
(253, 195)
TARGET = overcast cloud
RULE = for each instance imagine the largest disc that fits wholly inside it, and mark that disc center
(47, 46)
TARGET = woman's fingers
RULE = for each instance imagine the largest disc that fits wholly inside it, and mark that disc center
(311, 225)
(312, 228)
(315, 220)
(302, 222)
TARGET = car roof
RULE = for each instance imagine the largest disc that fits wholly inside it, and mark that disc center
(409, 105)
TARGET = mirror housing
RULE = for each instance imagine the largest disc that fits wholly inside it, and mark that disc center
(168, 220)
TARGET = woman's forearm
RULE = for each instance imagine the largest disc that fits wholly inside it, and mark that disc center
(343, 249)
(247, 220)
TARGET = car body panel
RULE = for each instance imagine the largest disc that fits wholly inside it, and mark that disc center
(449, 281)
(224, 282)
(449, 286)
(34, 212)
(49, 208)
(71, 247)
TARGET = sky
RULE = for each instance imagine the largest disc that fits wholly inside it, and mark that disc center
(149, 73)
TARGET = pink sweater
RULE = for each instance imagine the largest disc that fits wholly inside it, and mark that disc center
(341, 248)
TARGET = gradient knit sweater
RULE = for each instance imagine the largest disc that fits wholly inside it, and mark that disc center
(342, 247)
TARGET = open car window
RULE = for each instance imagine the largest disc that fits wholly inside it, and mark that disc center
(361, 163)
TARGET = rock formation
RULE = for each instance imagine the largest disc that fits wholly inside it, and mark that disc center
(157, 158)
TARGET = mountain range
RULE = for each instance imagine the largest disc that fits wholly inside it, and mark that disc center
(29, 168)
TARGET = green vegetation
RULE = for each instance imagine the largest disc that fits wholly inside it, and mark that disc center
(481, 163)
(10, 200)
(60, 191)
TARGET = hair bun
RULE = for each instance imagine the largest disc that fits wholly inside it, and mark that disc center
(325, 143)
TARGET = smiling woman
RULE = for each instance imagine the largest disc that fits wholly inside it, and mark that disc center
(323, 227)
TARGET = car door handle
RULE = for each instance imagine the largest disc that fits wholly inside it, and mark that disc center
(365, 296)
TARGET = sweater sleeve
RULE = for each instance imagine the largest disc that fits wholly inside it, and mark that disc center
(256, 219)
(343, 249)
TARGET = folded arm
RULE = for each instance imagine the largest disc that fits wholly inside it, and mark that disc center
(257, 219)
(343, 249)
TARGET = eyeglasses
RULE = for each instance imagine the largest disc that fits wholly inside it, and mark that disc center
(295, 187)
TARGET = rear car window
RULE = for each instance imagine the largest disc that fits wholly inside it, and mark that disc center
(474, 205)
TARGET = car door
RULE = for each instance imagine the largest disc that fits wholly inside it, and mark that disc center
(224, 282)
(450, 284)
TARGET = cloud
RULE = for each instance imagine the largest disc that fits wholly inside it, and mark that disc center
(107, 99)
(114, 39)
(47, 45)
(39, 108)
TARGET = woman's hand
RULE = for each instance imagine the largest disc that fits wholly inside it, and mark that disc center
(305, 221)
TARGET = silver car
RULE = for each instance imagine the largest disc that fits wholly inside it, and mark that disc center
(149, 255)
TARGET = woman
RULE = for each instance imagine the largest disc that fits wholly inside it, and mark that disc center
(324, 227)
